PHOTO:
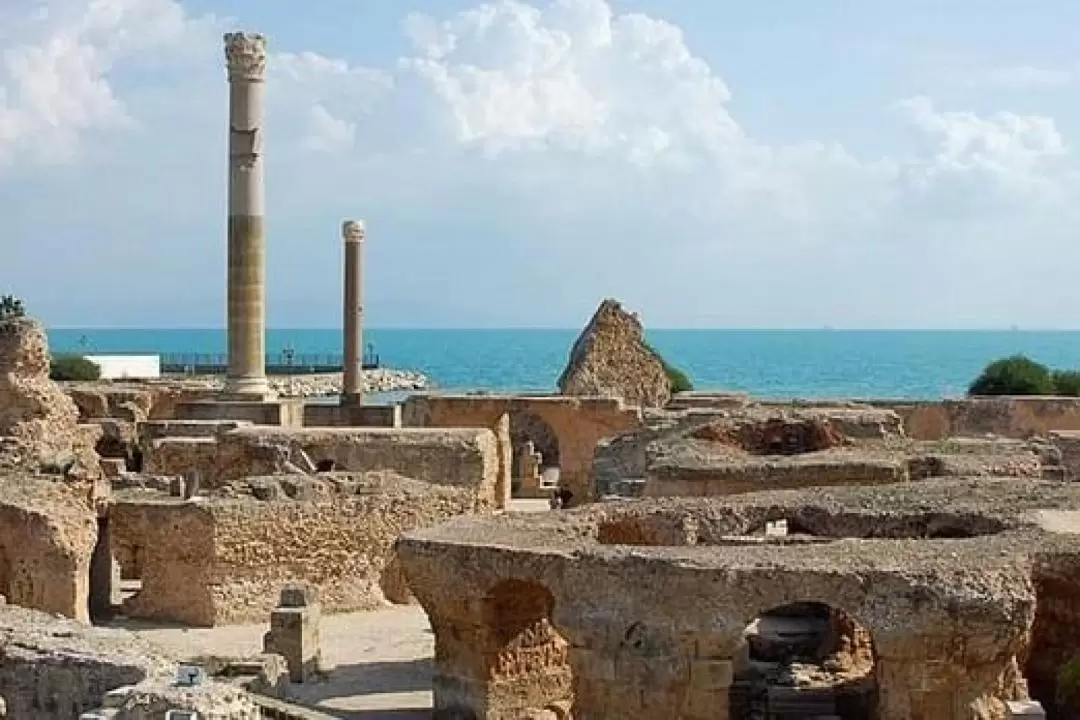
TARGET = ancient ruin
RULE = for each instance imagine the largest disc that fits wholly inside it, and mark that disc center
(712, 555)
(937, 600)
(611, 359)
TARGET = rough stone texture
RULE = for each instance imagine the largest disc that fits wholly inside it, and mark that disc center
(294, 631)
(620, 463)
(56, 669)
(455, 457)
(638, 609)
(611, 359)
(572, 426)
(39, 423)
(1013, 417)
(53, 669)
(224, 559)
(48, 529)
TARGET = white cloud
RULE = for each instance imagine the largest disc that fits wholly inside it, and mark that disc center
(58, 58)
(542, 134)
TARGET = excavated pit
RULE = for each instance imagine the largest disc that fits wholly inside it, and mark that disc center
(784, 526)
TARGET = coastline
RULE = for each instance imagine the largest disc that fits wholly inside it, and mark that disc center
(381, 380)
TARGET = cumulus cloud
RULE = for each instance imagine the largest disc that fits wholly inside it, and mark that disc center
(539, 134)
(59, 55)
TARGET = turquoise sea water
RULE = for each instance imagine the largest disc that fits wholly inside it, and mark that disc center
(807, 364)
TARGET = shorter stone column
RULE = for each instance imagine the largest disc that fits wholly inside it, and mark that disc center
(294, 631)
(352, 388)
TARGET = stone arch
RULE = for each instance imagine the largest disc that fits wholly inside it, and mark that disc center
(537, 455)
(526, 661)
(805, 659)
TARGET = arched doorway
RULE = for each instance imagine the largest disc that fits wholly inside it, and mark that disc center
(805, 660)
(536, 455)
(527, 657)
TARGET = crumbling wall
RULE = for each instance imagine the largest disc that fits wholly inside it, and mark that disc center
(464, 457)
(53, 669)
(578, 424)
(38, 422)
(173, 543)
(1012, 417)
(47, 536)
(224, 559)
(611, 359)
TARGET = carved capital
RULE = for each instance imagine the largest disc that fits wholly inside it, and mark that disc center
(245, 56)
(353, 230)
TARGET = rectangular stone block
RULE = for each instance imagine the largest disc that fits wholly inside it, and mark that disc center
(1026, 709)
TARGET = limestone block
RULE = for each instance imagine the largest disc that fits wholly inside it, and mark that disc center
(294, 632)
(1026, 709)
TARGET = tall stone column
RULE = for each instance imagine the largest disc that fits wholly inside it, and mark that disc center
(352, 388)
(245, 55)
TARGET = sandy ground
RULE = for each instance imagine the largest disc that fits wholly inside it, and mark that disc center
(381, 661)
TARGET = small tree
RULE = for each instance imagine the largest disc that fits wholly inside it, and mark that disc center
(680, 381)
(11, 307)
(1066, 382)
(1015, 375)
(74, 367)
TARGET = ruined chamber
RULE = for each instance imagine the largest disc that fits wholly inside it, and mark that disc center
(909, 601)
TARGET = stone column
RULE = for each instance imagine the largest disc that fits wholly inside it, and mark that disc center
(245, 56)
(352, 388)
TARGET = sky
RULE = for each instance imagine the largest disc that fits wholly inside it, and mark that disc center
(711, 163)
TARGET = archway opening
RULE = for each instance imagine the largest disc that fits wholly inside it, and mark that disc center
(104, 577)
(805, 660)
(536, 455)
(527, 659)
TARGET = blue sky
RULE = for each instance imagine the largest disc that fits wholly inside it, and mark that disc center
(712, 164)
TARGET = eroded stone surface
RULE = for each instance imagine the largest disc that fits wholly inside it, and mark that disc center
(224, 558)
(639, 609)
(611, 359)
(48, 529)
(39, 424)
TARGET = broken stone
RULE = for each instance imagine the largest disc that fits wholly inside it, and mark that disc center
(611, 359)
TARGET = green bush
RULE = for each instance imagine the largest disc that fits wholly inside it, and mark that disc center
(1066, 382)
(11, 307)
(1015, 375)
(680, 381)
(73, 367)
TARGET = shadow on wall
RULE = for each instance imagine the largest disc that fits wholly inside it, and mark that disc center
(805, 660)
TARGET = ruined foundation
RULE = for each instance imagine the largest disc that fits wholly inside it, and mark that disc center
(907, 601)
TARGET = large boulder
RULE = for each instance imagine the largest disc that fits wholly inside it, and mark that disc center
(39, 423)
(611, 358)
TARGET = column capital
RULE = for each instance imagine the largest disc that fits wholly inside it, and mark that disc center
(353, 230)
(245, 56)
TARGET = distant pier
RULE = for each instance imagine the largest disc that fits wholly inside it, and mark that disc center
(283, 363)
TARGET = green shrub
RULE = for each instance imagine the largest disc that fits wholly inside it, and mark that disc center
(1066, 382)
(73, 367)
(680, 381)
(1015, 375)
(11, 307)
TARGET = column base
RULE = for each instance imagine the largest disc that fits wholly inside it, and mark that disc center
(247, 388)
(348, 399)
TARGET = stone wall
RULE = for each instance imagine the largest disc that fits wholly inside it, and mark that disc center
(465, 457)
(48, 530)
(640, 610)
(578, 424)
(52, 669)
(336, 415)
(1014, 417)
(224, 559)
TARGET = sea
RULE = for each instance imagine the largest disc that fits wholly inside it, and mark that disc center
(767, 363)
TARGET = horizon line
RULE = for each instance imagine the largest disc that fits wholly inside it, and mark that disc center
(543, 328)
